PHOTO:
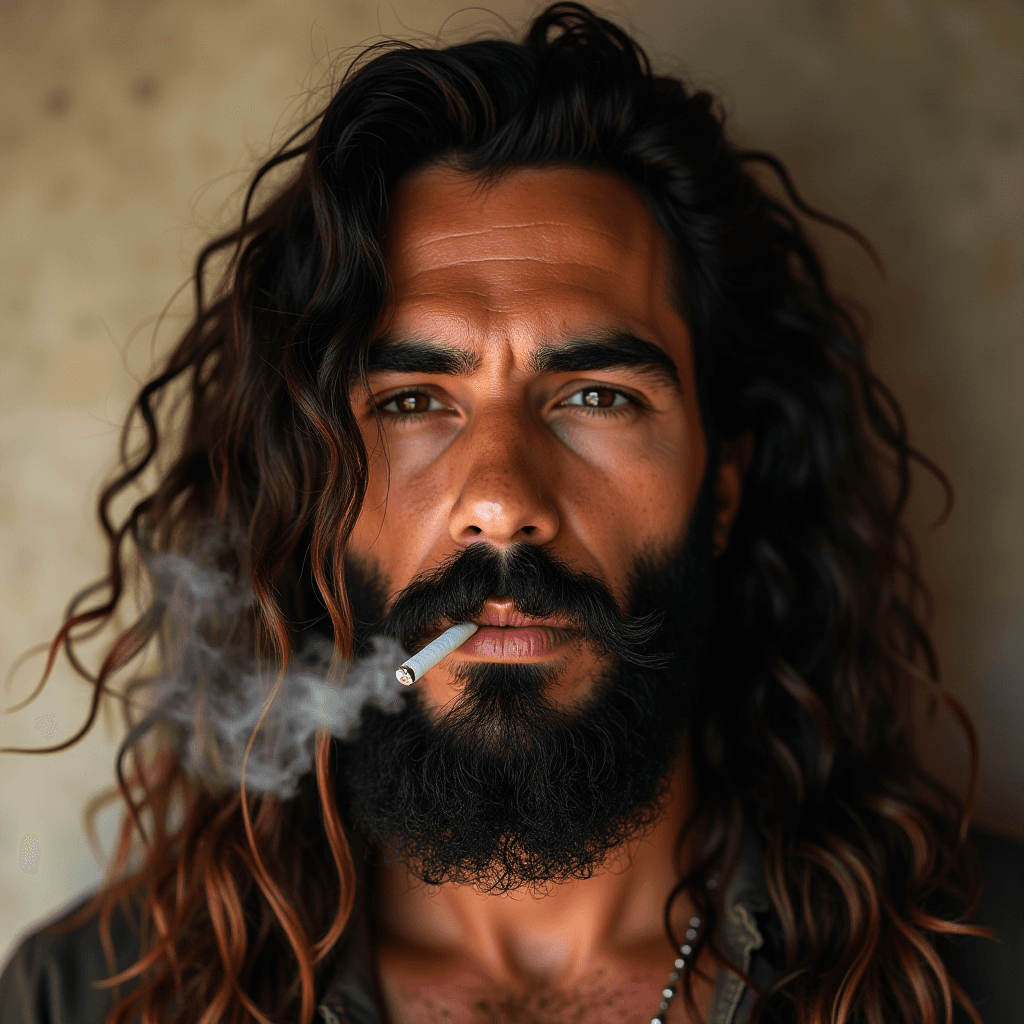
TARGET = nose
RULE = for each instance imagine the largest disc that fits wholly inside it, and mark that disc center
(504, 486)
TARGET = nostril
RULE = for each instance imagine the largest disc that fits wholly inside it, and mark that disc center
(475, 530)
(528, 530)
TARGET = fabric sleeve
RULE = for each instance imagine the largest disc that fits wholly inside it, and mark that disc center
(50, 977)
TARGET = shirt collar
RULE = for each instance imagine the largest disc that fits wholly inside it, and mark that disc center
(747, 885)
(746, 895)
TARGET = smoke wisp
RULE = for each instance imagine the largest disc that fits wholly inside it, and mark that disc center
(211, 691)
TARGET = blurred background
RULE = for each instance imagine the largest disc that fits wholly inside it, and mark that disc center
(128, 129)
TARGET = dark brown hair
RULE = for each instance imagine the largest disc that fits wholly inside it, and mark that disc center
(804, 728)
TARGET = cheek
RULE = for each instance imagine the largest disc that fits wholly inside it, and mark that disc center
(628, 489)
(402, 509)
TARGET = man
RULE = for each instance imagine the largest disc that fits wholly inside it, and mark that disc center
(523, 343)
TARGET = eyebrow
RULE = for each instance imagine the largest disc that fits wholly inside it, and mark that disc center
(598, 352)
(614, 349)
(400, 355)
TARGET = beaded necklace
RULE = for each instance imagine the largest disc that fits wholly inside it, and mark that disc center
(668, 993)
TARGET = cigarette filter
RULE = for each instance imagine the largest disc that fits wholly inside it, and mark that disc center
(409, 671)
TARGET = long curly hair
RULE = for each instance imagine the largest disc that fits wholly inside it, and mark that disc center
(805, 727)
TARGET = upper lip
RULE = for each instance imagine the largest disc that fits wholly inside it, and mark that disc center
(504, 614)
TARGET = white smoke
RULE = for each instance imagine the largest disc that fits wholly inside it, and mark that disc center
(212, 692)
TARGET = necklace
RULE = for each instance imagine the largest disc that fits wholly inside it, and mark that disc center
(668, 993)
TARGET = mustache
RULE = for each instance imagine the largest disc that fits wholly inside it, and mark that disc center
(538, 584)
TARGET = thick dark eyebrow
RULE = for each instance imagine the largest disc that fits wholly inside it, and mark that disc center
(615, 349)
(414, 355)
(602, 352)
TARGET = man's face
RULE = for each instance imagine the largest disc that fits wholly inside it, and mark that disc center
(535, 385)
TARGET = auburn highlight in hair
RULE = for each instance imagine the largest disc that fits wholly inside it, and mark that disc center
(820, 639)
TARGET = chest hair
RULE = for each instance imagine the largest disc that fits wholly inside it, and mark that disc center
(597, 1000)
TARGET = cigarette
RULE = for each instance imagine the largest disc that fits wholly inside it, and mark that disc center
(423, 661)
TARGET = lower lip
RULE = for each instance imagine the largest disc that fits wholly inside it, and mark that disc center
(518, 643)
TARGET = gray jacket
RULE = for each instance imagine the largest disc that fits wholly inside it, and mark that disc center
(48, 979)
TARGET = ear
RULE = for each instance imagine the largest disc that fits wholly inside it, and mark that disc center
(733, 462)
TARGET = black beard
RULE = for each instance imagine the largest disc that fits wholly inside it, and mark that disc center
(505, 789)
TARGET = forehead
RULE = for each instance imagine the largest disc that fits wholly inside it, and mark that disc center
(554, 246)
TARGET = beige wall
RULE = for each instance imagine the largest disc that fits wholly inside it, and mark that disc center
(125, 127)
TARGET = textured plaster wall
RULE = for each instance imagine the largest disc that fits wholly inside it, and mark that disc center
(126, 129)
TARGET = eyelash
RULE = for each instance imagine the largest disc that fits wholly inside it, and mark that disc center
(591, 410)
(600, 409)
(381, 406)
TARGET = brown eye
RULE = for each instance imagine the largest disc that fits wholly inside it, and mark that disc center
(411, 402)
(597, 398)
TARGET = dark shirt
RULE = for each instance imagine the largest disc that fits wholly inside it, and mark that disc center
(48, 979)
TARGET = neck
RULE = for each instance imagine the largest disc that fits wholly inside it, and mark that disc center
(553, 935)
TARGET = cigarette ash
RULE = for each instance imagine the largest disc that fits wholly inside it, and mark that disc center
(211, 691)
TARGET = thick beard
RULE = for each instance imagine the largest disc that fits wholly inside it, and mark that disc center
(505, 789)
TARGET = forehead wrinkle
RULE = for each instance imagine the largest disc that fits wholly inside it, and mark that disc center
(515, 226)
(600, 250)
(467, 261)
(494, 297)
(447, 293)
